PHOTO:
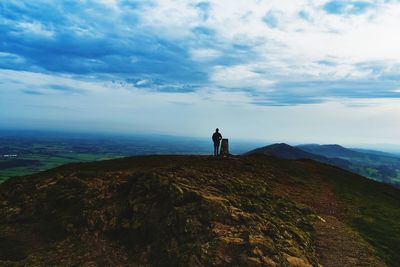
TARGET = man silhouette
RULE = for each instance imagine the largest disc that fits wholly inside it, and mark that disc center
(216, 137)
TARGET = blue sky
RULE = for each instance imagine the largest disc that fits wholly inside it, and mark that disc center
(299, 71)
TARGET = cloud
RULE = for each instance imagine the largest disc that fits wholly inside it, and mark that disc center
(31, 92)
(64, 89)
(271, 19)
(9, 59)
(155, 85)
(76, 39)
(32, 29)
(313, 92)
(204, 9)
(277, 52)
(240, 76)
(15, 80)
(204, 54)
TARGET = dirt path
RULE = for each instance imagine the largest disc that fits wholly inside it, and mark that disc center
(337, 245)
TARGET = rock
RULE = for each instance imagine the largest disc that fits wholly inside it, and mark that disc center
(297, 262)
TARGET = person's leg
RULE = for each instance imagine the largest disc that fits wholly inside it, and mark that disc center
(216, 149)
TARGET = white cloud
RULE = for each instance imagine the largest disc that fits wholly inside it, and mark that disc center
(204, 54)
(11, 58)
(18, 80)
(35, 28)
(296, 43)
(240, 76)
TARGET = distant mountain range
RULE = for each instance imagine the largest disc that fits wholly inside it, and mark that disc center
(377, 165)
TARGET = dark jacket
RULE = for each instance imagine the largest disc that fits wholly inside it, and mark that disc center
(216, 137)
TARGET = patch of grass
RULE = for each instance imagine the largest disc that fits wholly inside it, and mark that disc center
(49, 162)
(12, 249)
(373, 211)
(379, 233)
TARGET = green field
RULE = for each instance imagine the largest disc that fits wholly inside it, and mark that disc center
(48, 162)
(24, 153)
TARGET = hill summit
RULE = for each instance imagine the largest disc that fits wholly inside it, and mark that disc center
(283, 150)
(286, 151)
(198, 211)
(332, 150)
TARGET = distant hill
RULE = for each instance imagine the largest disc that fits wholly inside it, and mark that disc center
(330, 151)
(375, 152)
(348, 153)
(286, 151)
(380, 166)
(283, 150)
(198, 211)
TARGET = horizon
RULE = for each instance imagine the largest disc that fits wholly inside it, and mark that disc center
(251, 143)
(320, 71)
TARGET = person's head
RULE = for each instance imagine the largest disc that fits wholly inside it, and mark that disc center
(217, 130)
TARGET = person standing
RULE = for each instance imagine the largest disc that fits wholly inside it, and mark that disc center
(216, 137)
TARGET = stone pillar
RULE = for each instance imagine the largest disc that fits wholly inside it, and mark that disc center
(224, 148)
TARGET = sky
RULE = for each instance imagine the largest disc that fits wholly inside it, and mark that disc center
(297, 71)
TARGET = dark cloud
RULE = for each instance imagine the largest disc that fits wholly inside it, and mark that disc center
(65, 37)
(314, 92)
(33, 92)
(51, 89)
(65, 89)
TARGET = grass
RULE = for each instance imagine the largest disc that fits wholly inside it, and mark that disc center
(373, 211)
(11, 249)
(49, 162)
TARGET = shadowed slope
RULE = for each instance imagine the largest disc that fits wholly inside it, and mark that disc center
(192, 211)
(286, 151)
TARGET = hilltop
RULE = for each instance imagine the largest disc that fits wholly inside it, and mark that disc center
(283, 150)
(198, 211)
(331, 151)
(286, 151)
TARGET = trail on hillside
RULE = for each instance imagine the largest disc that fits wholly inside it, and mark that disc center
(337, 245)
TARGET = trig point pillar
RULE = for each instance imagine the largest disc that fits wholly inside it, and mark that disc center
(224, 147)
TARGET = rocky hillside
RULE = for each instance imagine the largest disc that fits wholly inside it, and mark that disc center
(198, 211)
